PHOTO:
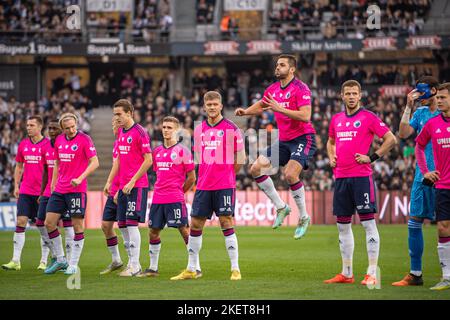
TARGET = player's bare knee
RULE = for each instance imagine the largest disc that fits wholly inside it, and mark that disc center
(154, 234)
(22, 221)
(443, 228)
(255, 170)
(226, 222)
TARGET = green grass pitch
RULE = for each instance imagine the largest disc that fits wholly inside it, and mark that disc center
(273, 266)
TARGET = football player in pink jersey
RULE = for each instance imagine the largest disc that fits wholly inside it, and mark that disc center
(76, 159)
(351, 134)
(132, 164)
(219, 150)
(437, 130)
(27, 184)
(110, 213)
(175, 175)
(290, 100)
(48, 155)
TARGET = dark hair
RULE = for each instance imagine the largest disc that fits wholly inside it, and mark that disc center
(125, 104)
(292, 60)
(38, 119)
(430, 80)
(351, 83)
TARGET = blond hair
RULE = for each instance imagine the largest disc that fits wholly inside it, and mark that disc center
(67, 116)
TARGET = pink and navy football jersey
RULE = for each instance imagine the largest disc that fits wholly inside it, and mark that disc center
(73, 158)
(217, 146)
(437, 130)
(30, 154)
(294, 96)
(354, 134)
(132, 144)
(49, 161)
(115, 183)
(171, 166)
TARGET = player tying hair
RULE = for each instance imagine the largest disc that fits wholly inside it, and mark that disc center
(219, 149)
(290, 100)
(76, 159)
(175, 175)
(351, 133)
(422, 197)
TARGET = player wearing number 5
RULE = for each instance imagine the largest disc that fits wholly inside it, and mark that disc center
(76, 159)
(219, 150)
(351, 133)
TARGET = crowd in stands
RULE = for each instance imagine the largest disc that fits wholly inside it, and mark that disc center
(152, 101)
(25, 19)
(13, 115)
(300, 19)
(205, 11)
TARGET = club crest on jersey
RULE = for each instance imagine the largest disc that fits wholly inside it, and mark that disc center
(357, 124)
(220, 133)
(129, 140)
(74, 147)
(173, 156)
(288, 95)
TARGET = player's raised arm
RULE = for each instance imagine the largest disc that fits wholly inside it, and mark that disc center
(303, 114)
(405, 130)
(254, 110)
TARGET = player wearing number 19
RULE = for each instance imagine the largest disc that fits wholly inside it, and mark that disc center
(219, 149)
(175, 175)
(351, 133)
(76, 159)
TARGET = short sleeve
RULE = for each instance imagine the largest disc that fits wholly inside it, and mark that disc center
(198, 138)
(304, 97)
(188, 161)
(379, 127)
(332, 130)
(89, 150)
(238, 140)
(19, 155)
(144, 144)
